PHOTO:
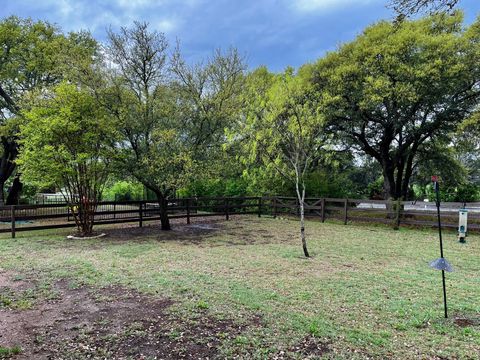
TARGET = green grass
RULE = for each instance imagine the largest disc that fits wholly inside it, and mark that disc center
(7, 352)
(367, 290)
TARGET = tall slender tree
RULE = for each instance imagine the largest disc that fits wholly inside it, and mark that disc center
(282, 128)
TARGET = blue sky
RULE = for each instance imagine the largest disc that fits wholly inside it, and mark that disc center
(276, 33)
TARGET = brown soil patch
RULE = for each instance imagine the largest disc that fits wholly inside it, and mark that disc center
(466, 322)
(200, 230)
(112, 322)
(196, 232)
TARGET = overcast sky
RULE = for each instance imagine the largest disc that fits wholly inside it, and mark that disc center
(276, 33)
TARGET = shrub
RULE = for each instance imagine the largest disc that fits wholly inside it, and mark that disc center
(124, 191)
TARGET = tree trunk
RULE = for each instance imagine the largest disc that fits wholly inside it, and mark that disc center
(301, 202)
(302, 229)
(164, 219)
(83, 213)
(389, 185)
(13, 197)
(2, 193)
(7, 164)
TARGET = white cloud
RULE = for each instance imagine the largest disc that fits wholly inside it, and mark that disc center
(325, 5)
(135, 4)
(99, 15)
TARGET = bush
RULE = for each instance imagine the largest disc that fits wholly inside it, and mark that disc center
(124, 191)
(215, 188)
(460, 193)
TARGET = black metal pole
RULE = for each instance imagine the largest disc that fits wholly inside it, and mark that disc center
(441, 247)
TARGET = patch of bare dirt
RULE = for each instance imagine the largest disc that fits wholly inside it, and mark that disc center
(311, 347)
(196, 232)
(466, 322)
(200, 229)
(112, 322)
(8, 280)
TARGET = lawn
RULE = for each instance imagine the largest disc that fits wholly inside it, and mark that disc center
(239, 289)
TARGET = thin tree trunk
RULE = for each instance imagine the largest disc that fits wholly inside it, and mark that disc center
(301, 201)
(302, 229)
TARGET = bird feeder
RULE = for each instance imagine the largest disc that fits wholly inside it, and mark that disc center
(462, 225)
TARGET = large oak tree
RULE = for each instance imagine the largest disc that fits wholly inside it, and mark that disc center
(398, 87)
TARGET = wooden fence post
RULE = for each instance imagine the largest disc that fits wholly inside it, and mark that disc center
(323, 210)
(274, 207)
(114, 210)
(260, 206)
(345, 214)
(227, 217)
(188, 211)
(140, 212)
(12, 212)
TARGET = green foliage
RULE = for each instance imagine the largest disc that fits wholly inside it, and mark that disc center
(171, 127)
(328, 183)
(65, 136)
(264, 179)
(215, 187)
(282, 127)
(124, 191)
(36, 55)
(395, 95)
(66, 143)
(7, 352)
(399, 86)
(459, 193)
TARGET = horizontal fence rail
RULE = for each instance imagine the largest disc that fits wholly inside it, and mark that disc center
(407, 213)
(17, 218)
(51, 216)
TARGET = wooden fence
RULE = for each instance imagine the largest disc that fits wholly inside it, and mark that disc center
(51, 216)
(17, 218)
(407, 213)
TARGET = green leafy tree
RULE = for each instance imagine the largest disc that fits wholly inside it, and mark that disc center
(65, 143)
(397, 88)
(171, 116)
(282, 128)
(34, 55)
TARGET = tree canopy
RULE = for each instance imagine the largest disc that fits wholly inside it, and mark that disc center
(171, 115)
(35, 55)
(397, 88)
(65, 143)
(282, 127)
